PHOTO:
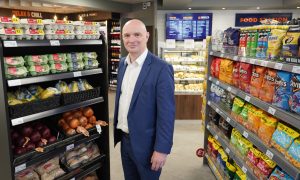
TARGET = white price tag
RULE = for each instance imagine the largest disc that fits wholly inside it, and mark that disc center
(208, 102)
(54, 43)
(243, 59)
(217, 82)
(211, 53)
(271, 110)
(77, 74)
(296, 69)
(228, 89)
(170, 43)
(16, 82)
(17, 121)
(278, 66)
(216, 137)
(252, 61)
(235, 58)
(217, 110)
(10, 44)
(264, 63)
(210, 78)
(222, 55)
(69, 147)
(20, 168)
(228, 119)
(227, 150)
(269, 154)
(245, 134)
(247, 98)
(98, 127)
(208, 126)
(189, 43)
(244, 169)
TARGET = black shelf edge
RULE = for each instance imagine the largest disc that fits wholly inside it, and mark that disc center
(272, 153)
(39, 43)
(285, 116)
(52, 77)
(289, 67)
(57, 150)
(55, 111)
(231, 152)
(213, 168)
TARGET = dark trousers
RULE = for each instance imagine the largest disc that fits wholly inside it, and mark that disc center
(132, 169)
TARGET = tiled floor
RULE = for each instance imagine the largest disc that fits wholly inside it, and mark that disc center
(182, 163)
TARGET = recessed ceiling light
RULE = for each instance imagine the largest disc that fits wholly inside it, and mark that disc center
(298, 7)
(190, 8)
(223, 8)
(257, 7)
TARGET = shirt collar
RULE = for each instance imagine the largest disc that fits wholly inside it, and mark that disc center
(140, 60)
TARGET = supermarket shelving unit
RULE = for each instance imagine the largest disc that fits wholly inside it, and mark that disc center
(10, 164)
(285, 116)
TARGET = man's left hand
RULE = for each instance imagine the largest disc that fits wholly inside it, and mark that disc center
(158, 160)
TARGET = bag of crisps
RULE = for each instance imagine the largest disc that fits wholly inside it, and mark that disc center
(268, 86)
(266, 129)
(258, 73)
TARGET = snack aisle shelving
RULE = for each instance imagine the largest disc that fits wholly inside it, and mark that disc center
(10, 163)
(189, 70)
(284, 116)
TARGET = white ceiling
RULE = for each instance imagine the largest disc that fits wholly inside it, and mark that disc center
(132, 1)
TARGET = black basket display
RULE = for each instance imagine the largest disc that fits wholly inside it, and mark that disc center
(70, 98)
(33, 107)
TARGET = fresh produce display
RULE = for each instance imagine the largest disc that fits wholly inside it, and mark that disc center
(31, 136)
(38, 70)
(79, 121)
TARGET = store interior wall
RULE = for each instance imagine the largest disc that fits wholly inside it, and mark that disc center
(222, 19)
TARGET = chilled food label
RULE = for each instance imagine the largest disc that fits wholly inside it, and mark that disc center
(39, 68)
(15, 20)
(12, 70)
(88, 32)
(34, 21)
(36, 58)
(5, 19)
(60, 32)
(9, 60)
(40, 31)
(58, 66)
(11, 31)
(60, 22)
(56, 57)
(88, 23)
(33, 31)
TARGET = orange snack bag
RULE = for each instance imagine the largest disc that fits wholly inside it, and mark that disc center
(236, 74)
(245, 76)
(226, 68)
(257, 78)
(266, 129)
(215, 67)
(254, 119)
(268, 86)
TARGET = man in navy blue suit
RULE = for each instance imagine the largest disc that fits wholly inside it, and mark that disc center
(144, 108)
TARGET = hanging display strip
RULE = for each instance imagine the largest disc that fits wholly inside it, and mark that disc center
(213, 168)
(289, 67)
(239, 161)
(272, 153)
(285, 116)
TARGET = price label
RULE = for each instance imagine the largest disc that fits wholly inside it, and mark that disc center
(243, 59)
(208, 102)
(208, 127)
(227, 150)
(247, 98)
(218, 110)
(211, 53)
(16, 82)
(54, 43)
(40, 31)
(269, 154)
(278, 66)
(235, 58)
(264, 63)
(296, 69)
(72, 178)
(217, 82)
(271, 110)
(245, 134)
(17, 121)
(20, 168)
(10, 44)
(39, 21)
(170, 43)
(98, 127)
(77, 74)
(216, 137)
(244, 169)
(228, 119)
(214, 168)
(229, 89)
(222, 55)
(252, 61)
(19, 31)
(69, 147)
(210, 78)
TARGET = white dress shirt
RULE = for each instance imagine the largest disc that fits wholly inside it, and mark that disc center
(127, 87)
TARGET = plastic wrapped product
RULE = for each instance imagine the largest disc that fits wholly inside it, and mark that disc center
(215, 67)
(90, 55)
(266, 129)
(62, 87)
(27, 174)
(290, 47)
(230, 170)
(15, 72)
(275, 43)
(236, 74)
(268, 86)
(91, 64)
(49, 92)
(237, 107)
(16, 61)
(76, 66)
(36, 60)
(58, 68)
(24, 95)
(262, 43)
(57, 58)
(258, 73)
(74, 56)
(226, 68)
(35, 90)
(249, 43)
(294, 100)
(38, 70)
(243, 43)
(279, 174)
(235, 137)
(283, 90)
(254, 40)
(254, 119)
(74, 86)
(243, 146)
(245, 76)
(264, 167)
(253, 157)
(293, 153)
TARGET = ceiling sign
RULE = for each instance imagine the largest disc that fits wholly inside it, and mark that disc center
(251, 19)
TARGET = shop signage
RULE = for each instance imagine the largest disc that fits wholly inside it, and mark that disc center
(251, 19)
(31, 14)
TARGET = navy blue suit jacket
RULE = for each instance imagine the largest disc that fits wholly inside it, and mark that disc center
(151, 113)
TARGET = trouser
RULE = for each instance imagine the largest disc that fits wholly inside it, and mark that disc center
(132, 169)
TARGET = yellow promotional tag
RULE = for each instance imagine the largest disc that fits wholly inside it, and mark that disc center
(39, 21)
(41, 32)
(15, 20)
(19, 31)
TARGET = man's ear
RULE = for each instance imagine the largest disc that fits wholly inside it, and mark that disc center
(147, 35)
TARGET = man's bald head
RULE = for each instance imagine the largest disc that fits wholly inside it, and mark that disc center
(135, 38)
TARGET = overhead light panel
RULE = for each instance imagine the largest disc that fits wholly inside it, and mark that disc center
(223, 8)
(257, 7)
(47, 5)
(190, 8)
(298, 7)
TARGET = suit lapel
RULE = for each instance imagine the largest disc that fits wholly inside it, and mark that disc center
(121, 76)
(142, 76)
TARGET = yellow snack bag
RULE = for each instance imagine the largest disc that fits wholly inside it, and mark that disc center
(226, 68)
(275, 43)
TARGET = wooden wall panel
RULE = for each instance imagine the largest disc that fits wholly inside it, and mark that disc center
(188, 107)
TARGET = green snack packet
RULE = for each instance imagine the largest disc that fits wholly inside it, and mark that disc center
(237, 106)
(254, 44)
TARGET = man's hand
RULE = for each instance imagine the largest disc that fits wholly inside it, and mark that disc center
(158, 160)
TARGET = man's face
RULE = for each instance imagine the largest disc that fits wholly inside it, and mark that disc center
(135, 37)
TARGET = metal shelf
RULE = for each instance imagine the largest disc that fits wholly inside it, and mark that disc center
(61, 147)
(55, 111)
(213, 168)
(285, 116)
(289, 67)
(114, 72)
(39, 43)
(231, 152)
(272, 153)
(52, 77)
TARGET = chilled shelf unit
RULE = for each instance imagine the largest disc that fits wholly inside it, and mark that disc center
(224, 112)
(12, 163)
